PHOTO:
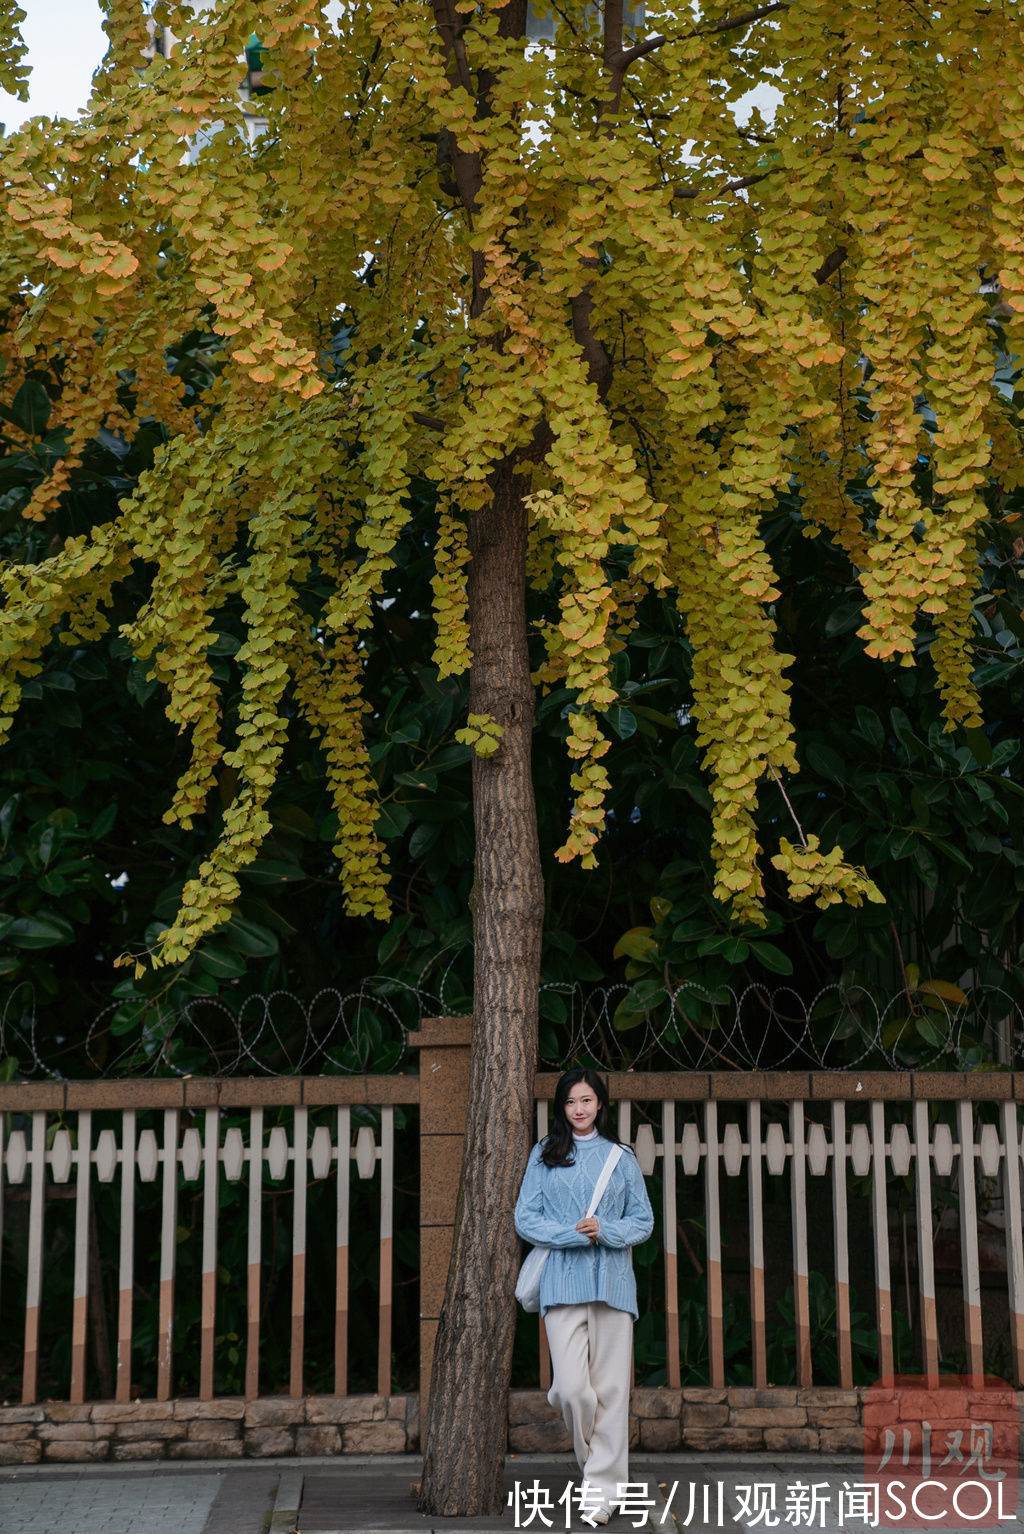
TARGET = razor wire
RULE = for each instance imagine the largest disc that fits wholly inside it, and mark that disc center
(690, 1027)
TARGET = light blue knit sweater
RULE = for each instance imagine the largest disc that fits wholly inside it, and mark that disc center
(553, 1199)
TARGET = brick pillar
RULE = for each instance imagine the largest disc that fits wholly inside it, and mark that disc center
(443, 1043)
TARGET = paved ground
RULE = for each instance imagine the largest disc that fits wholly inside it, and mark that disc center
(674, 1493)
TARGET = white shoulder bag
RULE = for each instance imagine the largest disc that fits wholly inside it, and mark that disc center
(528, 1282)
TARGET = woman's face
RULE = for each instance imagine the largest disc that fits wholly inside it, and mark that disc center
(581, 1108)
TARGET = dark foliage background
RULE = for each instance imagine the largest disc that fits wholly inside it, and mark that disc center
(88, 870)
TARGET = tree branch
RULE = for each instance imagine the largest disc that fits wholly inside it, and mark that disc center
(432, 422)
(727, 24)
(731, 23)
(831, 264)
(730, 186)
(599, 364)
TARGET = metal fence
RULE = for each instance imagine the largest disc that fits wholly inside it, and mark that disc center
(230, 1146)
(755, 1178)
(951, 1141)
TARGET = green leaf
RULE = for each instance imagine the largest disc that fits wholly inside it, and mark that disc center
(843, 618)
(626, 1016)
(926, 866)
(104, 822)
(42, 844)
(7, 814)
(980, 745)
(422, 839)
(393, 819)
(771, 957)
(66, 712)
(220, 960)
(128, 1017)
(841, 938)
(902, 843)
(273, 871)
(112, 443)
(732, 949)
(89, 666)
(451, 756)
(553, 1006)
(622, 721)
(223, 643)
(424, 780)
(139, 685)
(1004, 752)
(931, 1032)
(586, 968)
(826, 761)
(637, 943)
(250, 938)
(31, 407)
(870, 726)
(953, 852)
(691, 931)
(993, 672)
(46, 930)
(905, 735)
(393, 936)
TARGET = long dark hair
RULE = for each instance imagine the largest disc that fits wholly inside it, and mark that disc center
(559, 1149)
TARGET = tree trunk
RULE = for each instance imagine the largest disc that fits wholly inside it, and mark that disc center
(467, 1429)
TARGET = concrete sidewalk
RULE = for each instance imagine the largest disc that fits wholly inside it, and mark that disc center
(698, 1494)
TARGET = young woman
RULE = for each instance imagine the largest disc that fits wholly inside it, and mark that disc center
(587, 1288)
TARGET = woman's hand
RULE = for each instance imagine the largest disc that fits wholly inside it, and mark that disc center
(589, 1228)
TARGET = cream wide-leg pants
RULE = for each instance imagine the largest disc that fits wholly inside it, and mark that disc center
(591, 1364)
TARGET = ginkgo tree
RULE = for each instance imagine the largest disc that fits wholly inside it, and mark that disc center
(607, 318)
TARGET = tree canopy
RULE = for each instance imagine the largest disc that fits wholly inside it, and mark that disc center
(934, 817)
(577, 252)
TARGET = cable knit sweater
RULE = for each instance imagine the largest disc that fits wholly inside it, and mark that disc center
(554, 1199)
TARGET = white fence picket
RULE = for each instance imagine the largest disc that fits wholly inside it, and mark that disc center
(344, 1175)
(254, 1252)
(969, 1239)
(168, 1255)
(126, 1257)
(798, 1204)
(925, 1241)
(755, 1216)
(880, 1229)
(1014, 1234)
(841, 1245)
(80, 1289)
(300, 1169)
(669, 1217)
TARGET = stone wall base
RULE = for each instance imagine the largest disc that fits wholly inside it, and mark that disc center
(785, 1419)
(780, 1419)
(228, 1428)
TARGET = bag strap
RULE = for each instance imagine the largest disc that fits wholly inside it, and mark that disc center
(602, 1182)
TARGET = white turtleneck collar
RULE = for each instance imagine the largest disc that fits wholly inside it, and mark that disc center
(591, 1136)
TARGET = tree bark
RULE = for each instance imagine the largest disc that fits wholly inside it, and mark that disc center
(467, 1429)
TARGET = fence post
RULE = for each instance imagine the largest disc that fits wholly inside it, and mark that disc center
(443, 1043)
